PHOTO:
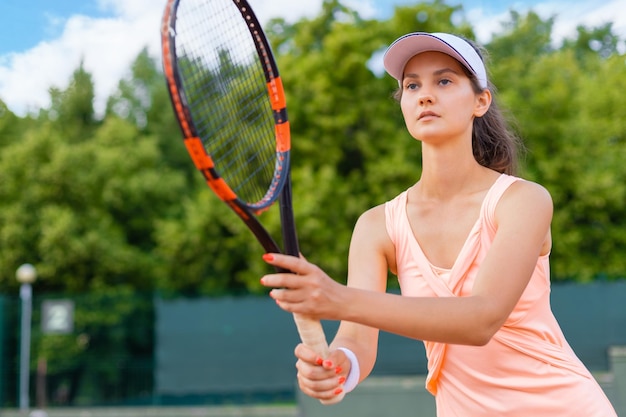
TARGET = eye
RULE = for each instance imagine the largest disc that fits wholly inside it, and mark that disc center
(445, 81)
(411, 86)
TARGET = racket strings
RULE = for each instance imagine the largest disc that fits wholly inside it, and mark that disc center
(227, 95)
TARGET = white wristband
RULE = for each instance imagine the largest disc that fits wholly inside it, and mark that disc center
(355, 372)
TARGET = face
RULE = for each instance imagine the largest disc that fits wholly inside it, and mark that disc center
(438, 101)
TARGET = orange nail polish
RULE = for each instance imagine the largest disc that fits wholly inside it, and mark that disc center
(338, 370)
(342, 379)
(338, 391)
(328, 364)
(319, 361)
(268, 257)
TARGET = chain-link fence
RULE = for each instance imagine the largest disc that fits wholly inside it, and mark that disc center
(98, 351)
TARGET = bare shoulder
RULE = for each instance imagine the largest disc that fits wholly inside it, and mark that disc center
(371, 224)
(374, 215)
(526, 200)
(529, 192)
(370, 240)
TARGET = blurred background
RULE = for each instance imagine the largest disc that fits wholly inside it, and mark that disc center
(144, 288)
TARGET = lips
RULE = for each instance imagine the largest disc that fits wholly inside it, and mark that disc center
(427, 114)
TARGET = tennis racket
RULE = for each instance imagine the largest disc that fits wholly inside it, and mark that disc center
(230, 103)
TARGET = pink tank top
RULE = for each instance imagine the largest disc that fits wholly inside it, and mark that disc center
(528, 368)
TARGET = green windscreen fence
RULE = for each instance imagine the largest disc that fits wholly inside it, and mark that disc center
(593, 317)
(223, 346)
(3, 343)
(129, 349)
(244, 346)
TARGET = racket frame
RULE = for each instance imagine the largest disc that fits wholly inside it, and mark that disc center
(204, 162)
(310, 330)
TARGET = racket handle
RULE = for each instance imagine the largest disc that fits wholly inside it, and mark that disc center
(312, 335)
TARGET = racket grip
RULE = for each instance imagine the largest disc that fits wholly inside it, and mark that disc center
(312, 335)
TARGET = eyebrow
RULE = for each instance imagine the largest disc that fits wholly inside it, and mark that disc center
(436, 73)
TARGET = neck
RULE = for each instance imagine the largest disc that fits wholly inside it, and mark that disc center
(447, 173)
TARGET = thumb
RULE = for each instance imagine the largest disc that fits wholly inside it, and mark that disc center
(338, 361)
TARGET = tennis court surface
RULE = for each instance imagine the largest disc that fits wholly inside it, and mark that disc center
(221, 411)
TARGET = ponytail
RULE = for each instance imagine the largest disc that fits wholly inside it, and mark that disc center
(494, 144)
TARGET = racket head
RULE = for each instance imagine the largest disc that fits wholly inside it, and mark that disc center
(228, 98)
(230, 103)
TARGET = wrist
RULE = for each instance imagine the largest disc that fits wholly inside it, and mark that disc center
(352, 380)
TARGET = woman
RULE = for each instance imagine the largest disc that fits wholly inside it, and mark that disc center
(469, 243)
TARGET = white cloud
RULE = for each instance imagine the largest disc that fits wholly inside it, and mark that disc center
(107, 47)
(590, 15)
(568, 15)
(291, 10)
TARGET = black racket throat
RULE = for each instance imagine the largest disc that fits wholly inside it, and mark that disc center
(290, 237)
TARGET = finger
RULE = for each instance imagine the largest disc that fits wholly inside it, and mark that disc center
(335, 362)
(291, 292)
(319, 382)
(316, 372)
(290, 263)
(281, 280)
(325, 390)
(308, 355)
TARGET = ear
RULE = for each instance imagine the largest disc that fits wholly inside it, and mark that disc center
(483, 102)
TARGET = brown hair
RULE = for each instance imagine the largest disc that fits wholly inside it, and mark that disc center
(494, 143)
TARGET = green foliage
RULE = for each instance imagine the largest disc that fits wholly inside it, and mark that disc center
(207, 250)
(592, 198)
(72, 110)
(569, 112)
(97, 201)
(81, 198)
(84, 212)
(143, 101)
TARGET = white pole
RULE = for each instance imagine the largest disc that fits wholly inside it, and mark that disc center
(26, 294)
(26, 275)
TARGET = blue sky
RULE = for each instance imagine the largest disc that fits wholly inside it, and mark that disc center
(43, 41)
(28, 22)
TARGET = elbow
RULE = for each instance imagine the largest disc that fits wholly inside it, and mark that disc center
(486, 326)
(481, 338)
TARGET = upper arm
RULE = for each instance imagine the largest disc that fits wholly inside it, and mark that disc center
(372, 253)
(523, 218)
(370, 257)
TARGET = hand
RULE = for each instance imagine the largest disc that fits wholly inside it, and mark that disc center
(321, 378)
(307, 290)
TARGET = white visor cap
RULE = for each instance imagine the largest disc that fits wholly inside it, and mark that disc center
(407, 46)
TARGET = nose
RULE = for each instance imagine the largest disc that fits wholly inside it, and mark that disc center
(425, 97)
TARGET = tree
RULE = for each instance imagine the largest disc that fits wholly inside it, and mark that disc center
(591, 191)
(568, 119)
(143, 100)
(11, 126)
(72, 110)
(600, 41)
(81, 198)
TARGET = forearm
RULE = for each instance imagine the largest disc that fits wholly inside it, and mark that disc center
(459, 320)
